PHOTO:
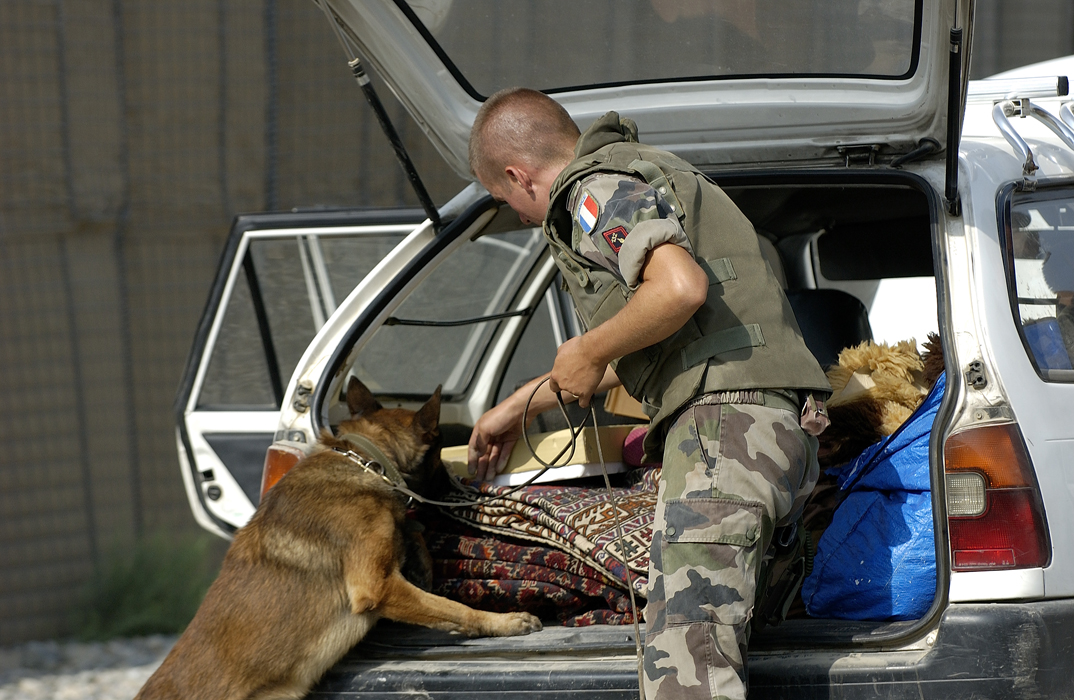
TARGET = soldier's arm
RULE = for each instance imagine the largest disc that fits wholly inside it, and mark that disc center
(673, 286)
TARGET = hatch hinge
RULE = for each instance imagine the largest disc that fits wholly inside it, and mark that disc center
(859, 154)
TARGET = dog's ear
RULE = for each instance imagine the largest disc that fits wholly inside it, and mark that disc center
(427, 417)
(360, 400)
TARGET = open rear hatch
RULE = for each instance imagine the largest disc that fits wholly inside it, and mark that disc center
(722, 83)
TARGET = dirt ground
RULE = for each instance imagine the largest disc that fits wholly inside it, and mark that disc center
(50, 670)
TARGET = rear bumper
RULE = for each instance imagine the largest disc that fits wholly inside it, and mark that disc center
(1016, 650)
(1022, 650)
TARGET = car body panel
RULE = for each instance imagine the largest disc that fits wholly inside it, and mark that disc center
(1042, 409)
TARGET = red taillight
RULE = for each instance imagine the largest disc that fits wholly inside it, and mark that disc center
(279, 460)
(1008, 536)
(1001, 526)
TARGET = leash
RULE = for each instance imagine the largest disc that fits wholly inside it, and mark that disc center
(622, 555)
(391, 476)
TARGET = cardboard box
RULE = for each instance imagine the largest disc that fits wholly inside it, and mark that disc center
(618, 402)
(521, 465)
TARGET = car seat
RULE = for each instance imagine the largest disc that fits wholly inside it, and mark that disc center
(831, 320)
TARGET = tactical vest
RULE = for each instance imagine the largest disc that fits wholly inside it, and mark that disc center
(744, 337)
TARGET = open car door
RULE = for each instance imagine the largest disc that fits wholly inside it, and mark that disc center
(280, 278)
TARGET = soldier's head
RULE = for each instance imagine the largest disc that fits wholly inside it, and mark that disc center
(520, 141)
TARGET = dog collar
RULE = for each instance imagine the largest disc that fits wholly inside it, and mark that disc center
(388, 471)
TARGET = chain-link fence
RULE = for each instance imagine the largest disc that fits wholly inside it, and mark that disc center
(131, 132)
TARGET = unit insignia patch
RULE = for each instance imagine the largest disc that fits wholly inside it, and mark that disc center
(615, 237)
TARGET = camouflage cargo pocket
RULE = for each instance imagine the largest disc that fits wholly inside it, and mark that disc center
(710, 556)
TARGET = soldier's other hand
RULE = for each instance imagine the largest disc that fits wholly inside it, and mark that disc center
(493, 438)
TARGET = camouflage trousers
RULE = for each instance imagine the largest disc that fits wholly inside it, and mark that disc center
(734, 469)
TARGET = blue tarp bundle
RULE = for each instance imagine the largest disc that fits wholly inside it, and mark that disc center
(877, 560)
(1045, 340)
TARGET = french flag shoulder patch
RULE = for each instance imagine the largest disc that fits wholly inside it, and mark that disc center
(588, 213)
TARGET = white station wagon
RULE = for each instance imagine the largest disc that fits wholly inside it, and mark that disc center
(898, 198)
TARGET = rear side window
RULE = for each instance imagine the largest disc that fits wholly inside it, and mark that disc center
(1040, 277)
(439, 334)
(290, 283)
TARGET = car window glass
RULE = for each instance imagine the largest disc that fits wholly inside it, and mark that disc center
(286, 289)
(238, 373)
(349, 260)
(410, 354)
(492, 44)
(1040, 273)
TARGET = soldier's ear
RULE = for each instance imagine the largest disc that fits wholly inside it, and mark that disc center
(519, 175)
(360, 400)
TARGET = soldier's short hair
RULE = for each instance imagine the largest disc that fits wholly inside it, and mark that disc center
(519, 124)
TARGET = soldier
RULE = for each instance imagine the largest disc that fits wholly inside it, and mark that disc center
(680, 308)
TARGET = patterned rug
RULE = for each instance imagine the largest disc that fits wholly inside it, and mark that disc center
(576, 520)
(489, 574)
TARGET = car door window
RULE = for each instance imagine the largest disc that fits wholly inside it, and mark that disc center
(238, 373)
(536, 349)
(289, 286)
(281, 278)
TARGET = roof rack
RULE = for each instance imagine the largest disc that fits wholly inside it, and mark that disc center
(1000, 88)
(1014, 98)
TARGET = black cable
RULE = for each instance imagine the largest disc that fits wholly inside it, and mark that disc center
(396, 321)
(622, 551)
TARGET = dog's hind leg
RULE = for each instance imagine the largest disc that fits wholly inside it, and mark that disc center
(405, 602)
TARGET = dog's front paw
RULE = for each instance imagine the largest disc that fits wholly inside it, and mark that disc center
(516, 623)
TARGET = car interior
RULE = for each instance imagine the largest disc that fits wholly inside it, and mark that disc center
(832, 243)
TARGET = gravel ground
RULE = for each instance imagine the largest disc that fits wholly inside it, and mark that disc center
(51, 670)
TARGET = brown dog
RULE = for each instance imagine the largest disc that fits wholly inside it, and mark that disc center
(315, 568)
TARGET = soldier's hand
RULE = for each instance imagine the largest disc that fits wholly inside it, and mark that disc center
(576, 371)
(493, 438)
